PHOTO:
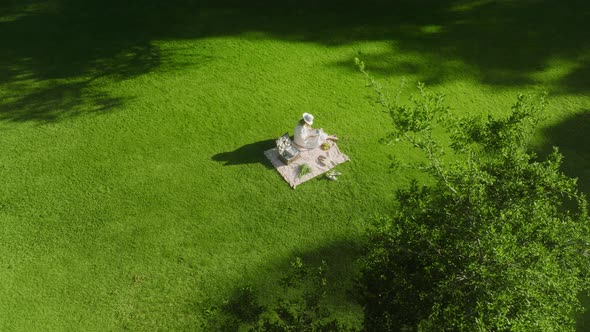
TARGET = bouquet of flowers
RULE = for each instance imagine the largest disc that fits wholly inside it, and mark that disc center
(303, 170)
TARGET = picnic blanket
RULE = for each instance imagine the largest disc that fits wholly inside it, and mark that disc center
(290, 172)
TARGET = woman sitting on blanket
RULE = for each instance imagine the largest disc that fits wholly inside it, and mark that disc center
(308, 138)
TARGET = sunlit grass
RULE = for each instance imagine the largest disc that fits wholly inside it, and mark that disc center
(137, 198)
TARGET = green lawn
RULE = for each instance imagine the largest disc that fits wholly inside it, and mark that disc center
(134, 189)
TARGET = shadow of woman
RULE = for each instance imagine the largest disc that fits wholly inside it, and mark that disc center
(248, 154)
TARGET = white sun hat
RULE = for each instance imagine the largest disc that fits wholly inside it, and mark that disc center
(308, 118)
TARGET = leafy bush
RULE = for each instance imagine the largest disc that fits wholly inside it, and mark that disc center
(500, 242)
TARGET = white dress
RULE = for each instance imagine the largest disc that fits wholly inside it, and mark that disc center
(309, 138)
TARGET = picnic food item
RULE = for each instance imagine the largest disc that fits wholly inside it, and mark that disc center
(326, 146)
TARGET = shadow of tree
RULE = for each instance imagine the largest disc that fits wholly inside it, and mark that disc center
(499, 43)
(245, 303)
(58, 101)
(571, 137)
(583, 320)
(53, 40)
(341, 257)
(577, 80)
(248, 154)
(53, 52)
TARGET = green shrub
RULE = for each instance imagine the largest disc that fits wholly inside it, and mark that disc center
(499, 242)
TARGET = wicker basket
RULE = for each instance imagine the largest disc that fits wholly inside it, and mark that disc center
(287, 152)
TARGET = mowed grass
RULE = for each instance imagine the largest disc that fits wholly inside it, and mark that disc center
(135, 193)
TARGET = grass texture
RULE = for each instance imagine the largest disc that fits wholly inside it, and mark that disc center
(134, 191)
